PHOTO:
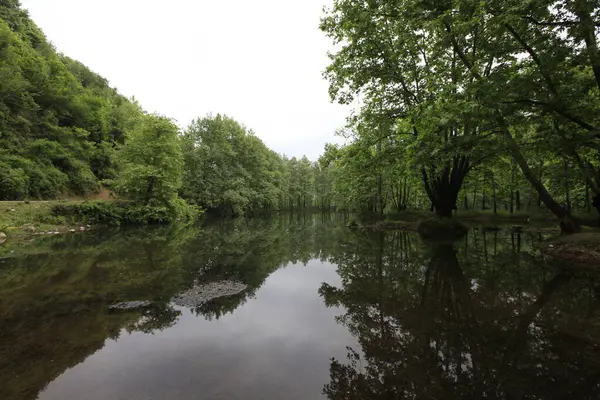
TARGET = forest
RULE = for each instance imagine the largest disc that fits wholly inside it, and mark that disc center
(463, 106)
(65, 132)
(477, 104)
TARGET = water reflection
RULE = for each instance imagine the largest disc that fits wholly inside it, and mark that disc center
(55, 292)
(487, 318)
(328, 310)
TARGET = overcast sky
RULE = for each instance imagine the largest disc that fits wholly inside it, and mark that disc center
(258, 61)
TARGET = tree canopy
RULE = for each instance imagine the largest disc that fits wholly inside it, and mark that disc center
(466, 87)
(59, 121)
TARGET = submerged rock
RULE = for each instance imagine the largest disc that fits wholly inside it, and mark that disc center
(200, 294)
(129, 305)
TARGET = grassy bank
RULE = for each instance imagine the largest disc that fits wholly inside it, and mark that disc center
(488, 219)
(18, 218)
(43, 217)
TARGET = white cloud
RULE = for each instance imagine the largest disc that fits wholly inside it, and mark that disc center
(259, 61)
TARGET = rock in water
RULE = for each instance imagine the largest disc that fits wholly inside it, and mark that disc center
(200, 294)
(129, 305)
(2, 237)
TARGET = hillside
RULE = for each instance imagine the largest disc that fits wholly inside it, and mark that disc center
(59, 121)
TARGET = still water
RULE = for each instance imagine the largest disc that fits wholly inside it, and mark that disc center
(328, 312)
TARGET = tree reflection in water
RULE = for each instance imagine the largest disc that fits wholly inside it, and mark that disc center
(55, 291)
(487, 318)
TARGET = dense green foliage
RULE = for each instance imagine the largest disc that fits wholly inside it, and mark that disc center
(59, 121)
(64, 131)
(117, 213)
(230, 170)
(471, 92)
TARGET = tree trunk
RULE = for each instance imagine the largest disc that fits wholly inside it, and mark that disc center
(567, 188)
(443, 186)
(494, 194)
(539, 199)
(512, 188)
(588, 204)
(568, 224)
(518, 200)
(380, 194)
(483, 200)
(150, 189)
(406, 194)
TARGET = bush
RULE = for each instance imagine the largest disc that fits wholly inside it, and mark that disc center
(125, 213)
(145, 215)
(14, 182)
(353, 222)
(81, 179)
(182, 211)
(92, 212)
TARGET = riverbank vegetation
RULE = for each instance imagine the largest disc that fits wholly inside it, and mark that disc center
(466, 109)
(66, 133)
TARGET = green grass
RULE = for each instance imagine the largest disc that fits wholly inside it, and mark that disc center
(23, 217)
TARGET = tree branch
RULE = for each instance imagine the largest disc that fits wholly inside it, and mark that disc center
(536, 58)
(558, 110)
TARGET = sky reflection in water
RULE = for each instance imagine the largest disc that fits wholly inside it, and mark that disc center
(329, 312)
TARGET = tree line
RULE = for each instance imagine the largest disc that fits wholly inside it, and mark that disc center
(465, 105)
(65, 132)
(228, 169)
(467, 102)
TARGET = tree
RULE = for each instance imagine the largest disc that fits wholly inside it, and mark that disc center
(228, 169)
(151, 163)
(470, 80)
(413, 91)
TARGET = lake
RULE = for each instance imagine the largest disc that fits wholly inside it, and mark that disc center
(328, 312)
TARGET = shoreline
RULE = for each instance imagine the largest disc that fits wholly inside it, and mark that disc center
(20, 219)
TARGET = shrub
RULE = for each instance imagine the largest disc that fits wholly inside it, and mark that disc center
(125, 213)
(92, 212)
(353, 222)
(146, 214)
(182, 211)
(13, 182)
